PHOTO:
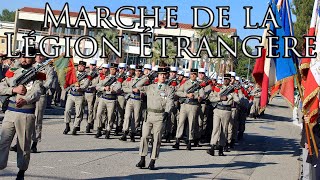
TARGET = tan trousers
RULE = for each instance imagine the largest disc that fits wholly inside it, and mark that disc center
(202, 121)
(189, 112)
(132, 106)
(76, 101)
(221, 119)
(109, 106)
(23, 125)
(233, 125)
(154, 123)
(121, 102)
(40, 108)
(89, 97)
(255, 106)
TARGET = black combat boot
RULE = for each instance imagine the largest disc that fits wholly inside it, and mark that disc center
(176, 146)
(67, 129)
(124, 136)
(99, 133)
(211, 150)
(221, 151)
(227, 148)
(88, 127)
(117, 131)
(197, 143)
(151, 164)
(189, 145)
(14, 148)
(142, 162)
(34, 147)
(107, 135)
(132, 139)
(20, 175)
(74, 131)
(77, 128)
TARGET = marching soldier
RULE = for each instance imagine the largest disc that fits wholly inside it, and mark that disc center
(255, 108)
(159, 104)
(121, 98)
(223, 99)
(234, 117)
(20, 115)
(107, 102)
(76, 98)
(189, 108)
(102, 76)
(90, 93)
(41, 104)
(171, 123)
(203, 110)
(146, 70)
(133, 105)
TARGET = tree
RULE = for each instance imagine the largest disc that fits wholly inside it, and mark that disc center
(111, 36)
(302, 9)
(7, 15)
(170, 52)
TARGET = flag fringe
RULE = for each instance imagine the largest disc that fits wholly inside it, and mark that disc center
(310, 96)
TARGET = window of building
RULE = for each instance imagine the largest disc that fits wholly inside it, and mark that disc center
(91, 33)
(3, 41)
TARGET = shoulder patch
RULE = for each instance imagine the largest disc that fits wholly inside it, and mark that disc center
(9, 73)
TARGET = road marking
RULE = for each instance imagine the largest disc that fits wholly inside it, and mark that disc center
(83, 172)
(49, 167)
(13, 162)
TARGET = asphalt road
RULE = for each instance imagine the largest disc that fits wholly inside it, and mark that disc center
(270, 150)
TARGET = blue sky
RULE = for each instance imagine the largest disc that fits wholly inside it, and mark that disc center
(237, 15)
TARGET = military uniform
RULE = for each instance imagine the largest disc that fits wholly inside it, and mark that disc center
(107, 102)
(121, 102)
(76, 97)
(41, 104)
(18, 120)
(189, 110)
(133, 105)
(255, 108)
(90, 98)
(159, 101)
(222, 116)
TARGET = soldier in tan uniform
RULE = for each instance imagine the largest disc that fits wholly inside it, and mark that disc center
(102, 76)
(159, 104)
(107, 101)
(41, 104)
(133, 105)
(90, 92)
(255, 108)
(202, 122)
(189, 108)
(121, 101)
(20, 115)
(223, 99)
(76, 98)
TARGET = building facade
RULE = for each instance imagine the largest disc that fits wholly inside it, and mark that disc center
(32, 19)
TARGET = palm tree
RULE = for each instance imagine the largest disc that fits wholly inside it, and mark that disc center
(111, 36)
(170, 52)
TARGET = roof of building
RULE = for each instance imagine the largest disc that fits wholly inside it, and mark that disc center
(75, 14)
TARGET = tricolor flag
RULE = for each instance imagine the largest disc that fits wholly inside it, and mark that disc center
(276, 74)
(310, 69)
(66, 71)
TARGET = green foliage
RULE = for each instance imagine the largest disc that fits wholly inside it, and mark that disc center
(302, 9)
(111, 36)
(171, 53)
(7, 15)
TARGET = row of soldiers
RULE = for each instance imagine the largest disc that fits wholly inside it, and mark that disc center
(192, 106)
(152, 102)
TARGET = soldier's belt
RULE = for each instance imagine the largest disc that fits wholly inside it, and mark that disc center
(75, 93)
(155, 110)
(27, 109)
(223, 107)
(110, 96)
(191, 101)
